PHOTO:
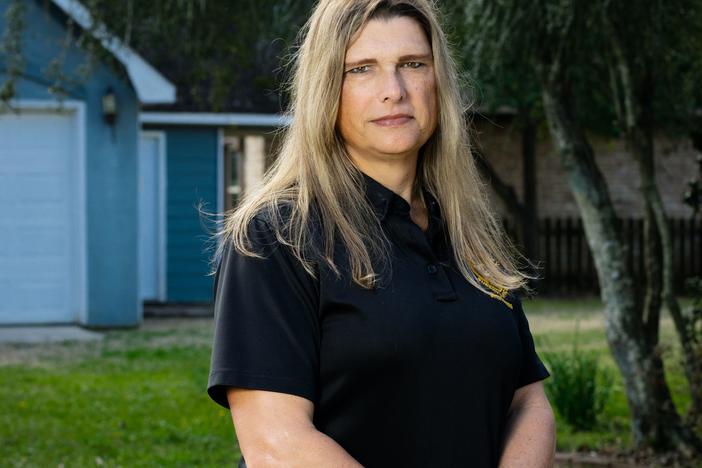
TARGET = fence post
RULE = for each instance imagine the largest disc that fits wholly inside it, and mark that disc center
(548, 281)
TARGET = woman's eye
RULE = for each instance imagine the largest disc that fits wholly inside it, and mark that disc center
(414, 64)
(360, 69)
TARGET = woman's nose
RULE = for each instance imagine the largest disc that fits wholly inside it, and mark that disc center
(391, 86)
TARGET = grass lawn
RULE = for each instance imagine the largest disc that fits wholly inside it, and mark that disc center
(554, 324)
(138, 398)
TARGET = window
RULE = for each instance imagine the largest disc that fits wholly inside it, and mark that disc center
(233, 170)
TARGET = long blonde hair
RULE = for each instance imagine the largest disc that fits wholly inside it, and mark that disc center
(312, 164)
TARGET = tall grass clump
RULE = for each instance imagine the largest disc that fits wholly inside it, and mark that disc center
(579, 387)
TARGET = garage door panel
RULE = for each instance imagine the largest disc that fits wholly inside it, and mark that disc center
(38, 160)
(41, 295)
(45, 248)
(47, 242)
(41, 299)
(38, 202)
(48, 187)
(27, 213)
(33, 270)
(38, 127)
(28, 186)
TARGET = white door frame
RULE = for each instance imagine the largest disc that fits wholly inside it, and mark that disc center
(160, 136)
(79, 291)
(220, 171)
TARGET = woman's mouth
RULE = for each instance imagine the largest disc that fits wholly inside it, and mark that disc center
(395, 120)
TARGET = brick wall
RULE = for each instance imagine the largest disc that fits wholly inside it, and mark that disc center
(674, 160)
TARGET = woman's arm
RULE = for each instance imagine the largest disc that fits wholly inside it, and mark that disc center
(530, 436)
(305, 448)
(275, 430)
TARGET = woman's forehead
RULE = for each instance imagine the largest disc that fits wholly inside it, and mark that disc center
(399, 36)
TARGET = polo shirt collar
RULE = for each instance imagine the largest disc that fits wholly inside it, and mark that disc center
(385, 200)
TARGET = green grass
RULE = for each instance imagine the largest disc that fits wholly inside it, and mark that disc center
(138, 398)
(128, 401)
(555, 323)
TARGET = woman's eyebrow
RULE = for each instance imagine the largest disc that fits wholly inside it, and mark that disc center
(419, 57)
(404, 58)
(360, 62)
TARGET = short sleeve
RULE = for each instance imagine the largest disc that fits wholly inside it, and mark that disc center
(532, 369)
(266, 327)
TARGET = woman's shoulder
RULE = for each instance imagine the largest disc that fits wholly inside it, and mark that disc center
(280, 227)
(265, 229)
(284, 218)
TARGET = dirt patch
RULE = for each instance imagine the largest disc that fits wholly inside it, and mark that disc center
(545, 323)
(153, 333)
(624, 459)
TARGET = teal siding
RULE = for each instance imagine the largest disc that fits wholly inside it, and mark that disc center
(192, 181)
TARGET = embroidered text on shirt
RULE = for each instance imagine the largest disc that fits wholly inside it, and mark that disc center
(498, 293)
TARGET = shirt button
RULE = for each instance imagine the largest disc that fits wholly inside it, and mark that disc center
(431, 269)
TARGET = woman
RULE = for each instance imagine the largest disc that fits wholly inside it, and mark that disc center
(365, 312)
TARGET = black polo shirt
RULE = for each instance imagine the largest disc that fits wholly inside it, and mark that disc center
(418, 373)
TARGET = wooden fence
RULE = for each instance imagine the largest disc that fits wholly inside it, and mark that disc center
(567, 264)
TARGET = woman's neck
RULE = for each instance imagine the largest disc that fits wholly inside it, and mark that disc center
(399, 177)
(396, 175)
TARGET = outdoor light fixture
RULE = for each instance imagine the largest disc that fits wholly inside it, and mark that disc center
(109, 106)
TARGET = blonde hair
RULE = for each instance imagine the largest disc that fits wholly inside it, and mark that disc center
(312, 164)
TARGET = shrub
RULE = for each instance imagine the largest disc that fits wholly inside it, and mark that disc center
(578, 388)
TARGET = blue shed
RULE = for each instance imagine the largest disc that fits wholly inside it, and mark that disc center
(69, 214)
(193, 161)
(179, 174)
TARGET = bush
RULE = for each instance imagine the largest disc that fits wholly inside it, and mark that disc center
(578, 388)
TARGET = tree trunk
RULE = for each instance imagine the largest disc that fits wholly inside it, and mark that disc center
(684, 323)
(637, 119)
(655, 421)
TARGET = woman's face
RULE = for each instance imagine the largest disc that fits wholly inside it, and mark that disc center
(388, 95)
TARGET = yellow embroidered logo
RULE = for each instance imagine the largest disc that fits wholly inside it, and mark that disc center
(497, 293)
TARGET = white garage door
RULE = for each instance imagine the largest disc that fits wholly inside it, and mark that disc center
(40, 221)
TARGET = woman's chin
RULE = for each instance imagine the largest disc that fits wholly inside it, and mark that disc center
(398, 147)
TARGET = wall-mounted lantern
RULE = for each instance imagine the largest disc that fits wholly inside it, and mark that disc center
(109, 109)
(109, 106)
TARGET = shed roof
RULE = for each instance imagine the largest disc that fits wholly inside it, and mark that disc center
(151, 86)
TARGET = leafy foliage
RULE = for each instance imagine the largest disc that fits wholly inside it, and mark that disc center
(511, 47)
(579, 388)
(12, 61)
(219, 53)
